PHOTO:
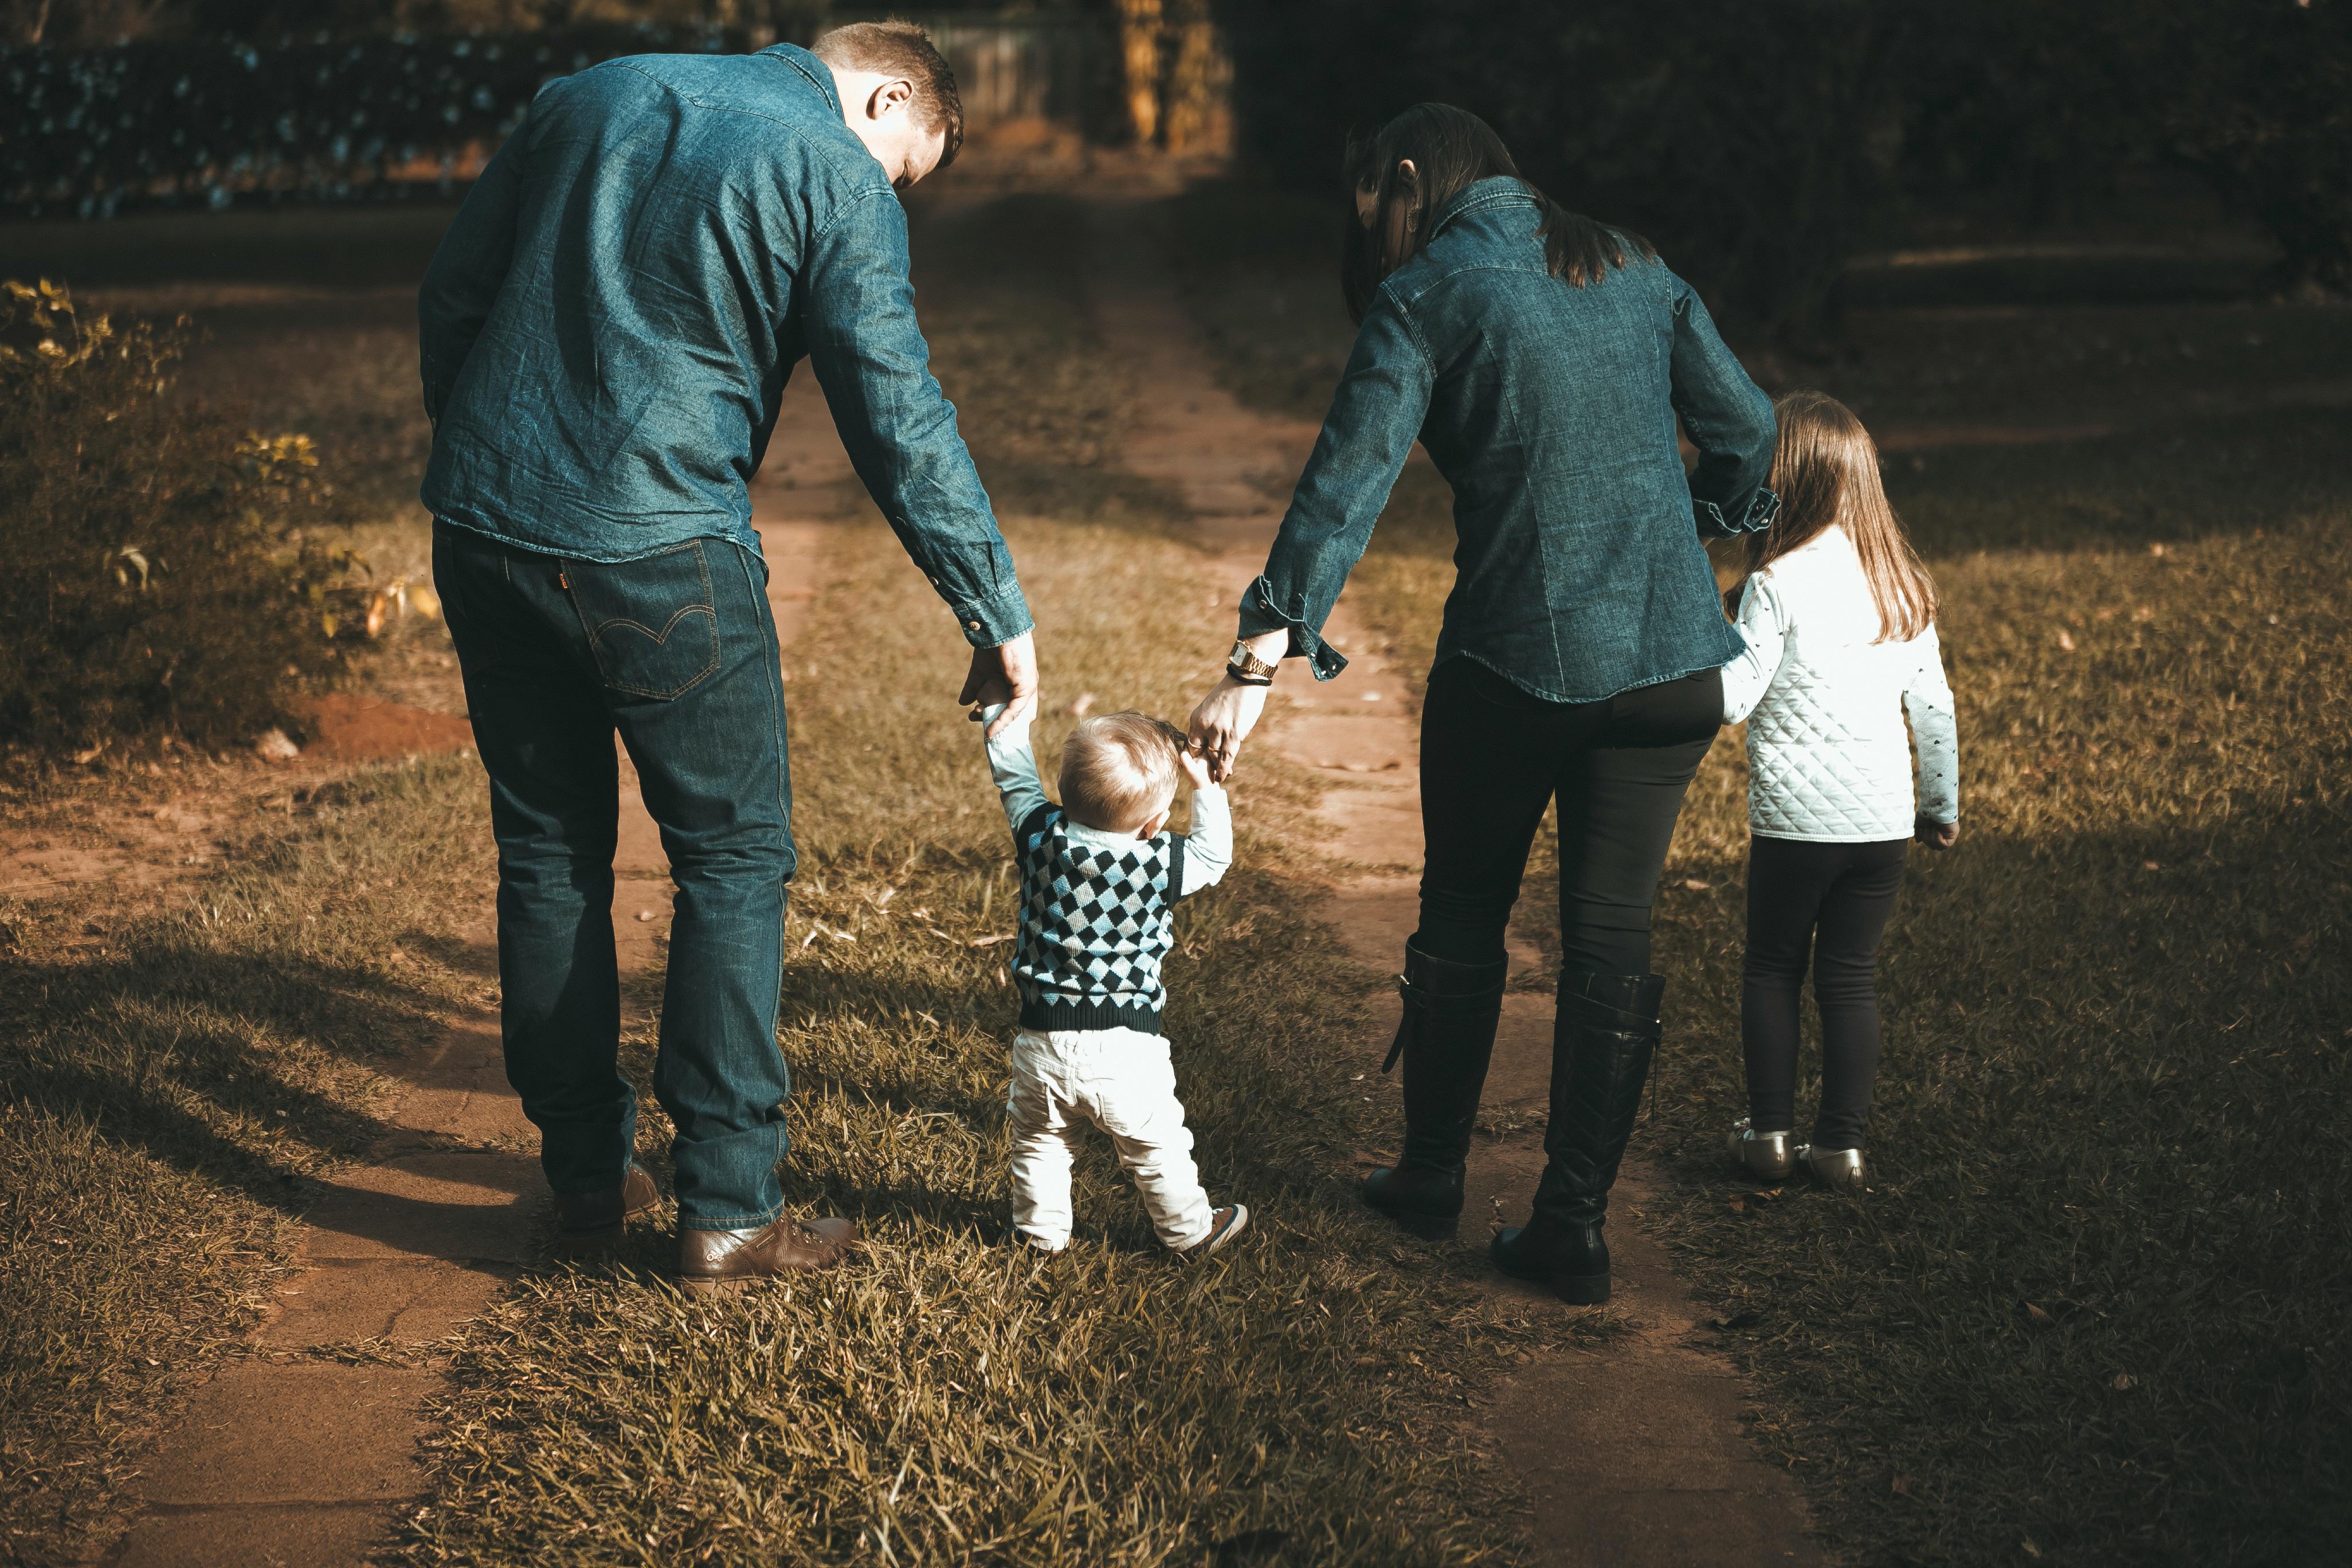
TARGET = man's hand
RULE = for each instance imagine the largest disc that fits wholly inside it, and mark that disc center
(1223, 722)
(1006, 673)
(1936, 835)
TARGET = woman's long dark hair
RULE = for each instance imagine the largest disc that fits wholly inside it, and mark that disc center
(1451, 148)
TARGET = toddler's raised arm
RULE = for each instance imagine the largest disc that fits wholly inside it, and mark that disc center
(1013, 762)
(1209, 847)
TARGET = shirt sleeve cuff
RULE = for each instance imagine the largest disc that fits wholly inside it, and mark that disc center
(993, 621)
(1755, 517)
(1261, 614)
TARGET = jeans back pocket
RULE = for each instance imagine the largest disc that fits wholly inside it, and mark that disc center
(652, 623)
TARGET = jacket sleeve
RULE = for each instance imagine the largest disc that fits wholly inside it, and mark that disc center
(899, 428)
(466, 272)
(1729, 419)
(1764, 628)
(1376, 416)
(1934, 731)
(1209, 848)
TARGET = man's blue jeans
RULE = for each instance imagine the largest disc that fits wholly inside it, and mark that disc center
(676, 652)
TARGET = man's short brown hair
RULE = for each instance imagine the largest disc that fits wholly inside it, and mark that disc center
(903, 49)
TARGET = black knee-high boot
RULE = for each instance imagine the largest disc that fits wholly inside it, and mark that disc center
(1447, 1039)
(1606, 1032)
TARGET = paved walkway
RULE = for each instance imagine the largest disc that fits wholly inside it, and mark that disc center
(302, 1453)
(1631, 1455)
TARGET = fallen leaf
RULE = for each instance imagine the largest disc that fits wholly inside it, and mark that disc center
(1738, 1205)
(2066, 642)
(2124, 1383)
(2036, 1313)
(2027, 1546)
(1696, 886)
(990, 941)
(1902, 1487)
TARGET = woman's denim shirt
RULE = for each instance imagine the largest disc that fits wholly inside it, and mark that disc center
(607, 329)
(1551, 410)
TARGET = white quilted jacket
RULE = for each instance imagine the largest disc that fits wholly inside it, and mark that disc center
(1828, 759)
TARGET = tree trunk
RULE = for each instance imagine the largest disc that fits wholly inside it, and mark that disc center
(1138, 39)
(1200, 83)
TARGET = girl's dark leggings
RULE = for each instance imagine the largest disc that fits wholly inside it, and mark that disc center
(1829, 903)
(1492, 758)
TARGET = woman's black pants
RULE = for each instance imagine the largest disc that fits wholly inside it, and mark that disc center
(1493, 757)
(1829, 904)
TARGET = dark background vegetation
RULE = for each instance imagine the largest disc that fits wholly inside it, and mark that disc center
(1763, 143)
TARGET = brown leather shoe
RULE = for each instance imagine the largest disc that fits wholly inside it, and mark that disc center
(596, 1219)
(731, 1259)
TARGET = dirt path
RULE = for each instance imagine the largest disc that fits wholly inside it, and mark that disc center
(1630, 1456)
(302, 1453)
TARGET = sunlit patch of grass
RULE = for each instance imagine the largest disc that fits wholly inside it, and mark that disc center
(177, 1065)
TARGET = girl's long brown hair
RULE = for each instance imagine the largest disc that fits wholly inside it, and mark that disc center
(1825, 471)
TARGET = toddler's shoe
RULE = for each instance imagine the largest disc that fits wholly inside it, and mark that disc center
(1764, 1155)
(1839, 1168)
(1224, 1225)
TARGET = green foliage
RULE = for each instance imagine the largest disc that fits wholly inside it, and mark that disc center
(163, 574)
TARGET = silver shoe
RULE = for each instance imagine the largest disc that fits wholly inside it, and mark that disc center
(1839, 1168)
(1764, 1155)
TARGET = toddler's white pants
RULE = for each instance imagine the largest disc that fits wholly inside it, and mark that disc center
(1122, 1081)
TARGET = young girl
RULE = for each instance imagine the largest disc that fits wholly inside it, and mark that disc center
(1840, 621)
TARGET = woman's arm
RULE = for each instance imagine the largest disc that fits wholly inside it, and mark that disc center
(1764, 628)
(1729, 419)
(1375, 417)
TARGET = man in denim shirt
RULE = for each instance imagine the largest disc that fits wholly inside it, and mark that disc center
(606, 336)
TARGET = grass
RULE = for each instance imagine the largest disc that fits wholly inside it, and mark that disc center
(2093, 1309)
(957, 1399)
(952, 1400)
(177, 1068)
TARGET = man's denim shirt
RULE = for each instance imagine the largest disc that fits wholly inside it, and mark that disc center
(608, 327)
(1551, 410)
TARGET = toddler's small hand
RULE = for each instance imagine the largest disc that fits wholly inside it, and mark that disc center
(1936, 835)
(1195, 766)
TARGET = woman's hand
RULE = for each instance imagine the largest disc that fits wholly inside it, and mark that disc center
(1223, 722)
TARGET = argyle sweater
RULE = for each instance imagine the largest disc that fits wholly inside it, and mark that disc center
(1097, 909)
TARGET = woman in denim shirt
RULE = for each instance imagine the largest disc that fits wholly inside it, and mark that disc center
(1542, 360)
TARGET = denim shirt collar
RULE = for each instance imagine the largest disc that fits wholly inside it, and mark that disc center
(1499, 190)
(809, 65)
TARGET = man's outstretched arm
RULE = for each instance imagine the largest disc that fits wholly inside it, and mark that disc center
(899, 430)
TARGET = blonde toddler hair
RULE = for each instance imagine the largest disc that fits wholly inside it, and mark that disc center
(1119, 771)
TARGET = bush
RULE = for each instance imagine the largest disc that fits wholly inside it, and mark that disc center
(166, 574)
(91, 133)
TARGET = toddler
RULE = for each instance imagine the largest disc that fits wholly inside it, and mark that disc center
(1840, 620)
(1099, 880)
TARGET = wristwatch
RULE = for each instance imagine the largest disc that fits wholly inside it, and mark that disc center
(1248, 668)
